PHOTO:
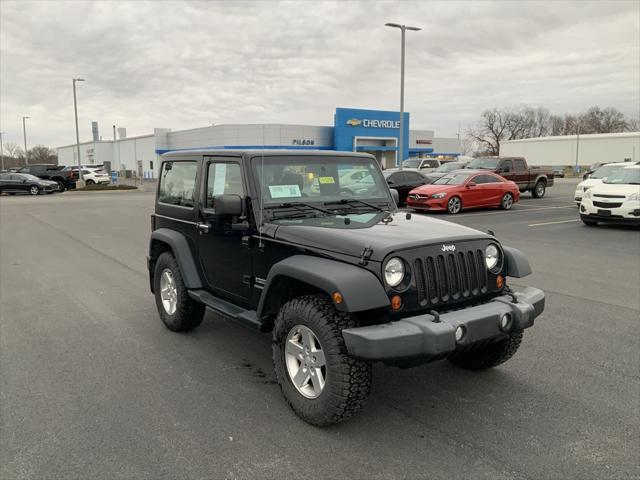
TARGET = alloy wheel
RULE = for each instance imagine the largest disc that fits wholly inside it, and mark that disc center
(168, 291)
(507, 201)
(454, 205)
(34, 190)
(305, 361)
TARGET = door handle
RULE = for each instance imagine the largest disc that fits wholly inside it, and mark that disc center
(203, 227)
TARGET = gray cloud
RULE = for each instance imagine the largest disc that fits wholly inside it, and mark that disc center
(188, 64)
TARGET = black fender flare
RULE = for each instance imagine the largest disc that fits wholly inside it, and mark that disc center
(181, 251)
(517, 263)
(360, 288)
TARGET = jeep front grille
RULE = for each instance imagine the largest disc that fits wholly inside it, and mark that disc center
(450, 277)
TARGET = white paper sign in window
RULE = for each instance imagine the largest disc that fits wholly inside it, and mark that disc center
(220, 179)
(284, 191)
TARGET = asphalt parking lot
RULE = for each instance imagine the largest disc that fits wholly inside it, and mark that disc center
(93, 386)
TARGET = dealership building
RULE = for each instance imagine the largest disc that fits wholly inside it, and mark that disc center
(372, 131)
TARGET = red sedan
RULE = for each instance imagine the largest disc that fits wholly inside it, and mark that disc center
(464, 189)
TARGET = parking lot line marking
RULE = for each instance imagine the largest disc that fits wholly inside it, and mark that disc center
(516, 210)
(553, 223)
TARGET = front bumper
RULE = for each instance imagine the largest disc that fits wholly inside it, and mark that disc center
(627, 212)
(423, 336)
(432, 204)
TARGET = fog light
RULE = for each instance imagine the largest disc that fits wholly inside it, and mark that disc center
(505, 322)
(396, 302)
(460, 332)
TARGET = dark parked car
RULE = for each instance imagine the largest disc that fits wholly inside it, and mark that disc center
(558, 172)
(64, 177)
(13, 183)
(272, 239)
(404, 181)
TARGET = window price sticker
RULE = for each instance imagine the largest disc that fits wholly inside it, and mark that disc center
(284, 191)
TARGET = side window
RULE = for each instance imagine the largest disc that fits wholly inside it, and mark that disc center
(177, 183)
(478, 179)
(223, 179)
(25, 169)
(507, 166)
(413, 177)
(519, 165)
(491, 179)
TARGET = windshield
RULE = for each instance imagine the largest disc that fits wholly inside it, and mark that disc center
(485, 163)
(452, 179)
(449, 167)
(318, 180)
(625, 176)
(411, 163)
(605, 171)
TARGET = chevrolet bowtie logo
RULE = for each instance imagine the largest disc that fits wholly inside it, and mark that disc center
(354, 122)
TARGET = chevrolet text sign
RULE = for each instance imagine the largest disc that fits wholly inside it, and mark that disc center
(368, 123)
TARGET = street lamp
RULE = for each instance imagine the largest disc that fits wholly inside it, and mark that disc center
(75, 108)
(403, 29)
(24, 132)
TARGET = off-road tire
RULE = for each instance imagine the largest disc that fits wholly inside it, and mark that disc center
(189, 313)
(539, 189)
(348, 380)
(490, 356)
(451, 206)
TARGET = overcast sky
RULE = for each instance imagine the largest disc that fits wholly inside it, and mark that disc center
(189, 64)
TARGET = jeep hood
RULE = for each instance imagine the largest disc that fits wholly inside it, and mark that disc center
(372, 230)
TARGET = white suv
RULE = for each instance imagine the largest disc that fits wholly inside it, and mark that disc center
(596, 179)
(616, 200)
(95, 175)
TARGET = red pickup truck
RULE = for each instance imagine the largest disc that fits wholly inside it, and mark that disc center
(529, 179)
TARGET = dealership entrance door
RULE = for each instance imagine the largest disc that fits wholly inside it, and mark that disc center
(385, 149)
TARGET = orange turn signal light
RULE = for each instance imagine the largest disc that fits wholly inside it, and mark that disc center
(499, 281)
(337, 297)
(396, 302)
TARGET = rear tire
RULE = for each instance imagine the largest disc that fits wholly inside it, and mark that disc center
(184, 314)
(539, 190)
(454, 205)
(490, 356)
(341, 384)
(507, 201)
(61, 187)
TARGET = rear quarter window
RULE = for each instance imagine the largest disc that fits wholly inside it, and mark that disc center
(177, 183)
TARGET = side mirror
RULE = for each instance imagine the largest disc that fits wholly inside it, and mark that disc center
(396, 196)
(471, 184)
(227, 205)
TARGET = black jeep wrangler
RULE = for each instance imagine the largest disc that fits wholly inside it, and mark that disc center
(288, 242)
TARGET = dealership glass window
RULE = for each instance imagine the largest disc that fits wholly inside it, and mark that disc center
(177, 183)
(223, 179)
(151, 164)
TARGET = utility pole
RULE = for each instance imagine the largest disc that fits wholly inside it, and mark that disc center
(403, 29)
(75, 108)
(24, 132)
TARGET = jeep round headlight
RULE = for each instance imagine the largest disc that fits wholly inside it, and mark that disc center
(394, 272)
(491, 256)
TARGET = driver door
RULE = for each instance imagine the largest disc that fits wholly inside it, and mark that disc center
(224, 252)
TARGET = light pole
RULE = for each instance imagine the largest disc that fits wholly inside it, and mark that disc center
(2, 150)
(24, 132)
(403, 29)
(75, 108)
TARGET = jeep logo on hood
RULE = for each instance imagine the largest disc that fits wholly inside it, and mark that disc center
(448, 248)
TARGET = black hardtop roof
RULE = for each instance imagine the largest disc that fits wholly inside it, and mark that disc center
(251, 153)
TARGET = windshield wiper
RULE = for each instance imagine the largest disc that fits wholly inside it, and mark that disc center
(301, 206)
(349, 201)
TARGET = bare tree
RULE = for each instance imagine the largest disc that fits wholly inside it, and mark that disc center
(13, 150)
(490, 131)
(633, 125)
(42, 154)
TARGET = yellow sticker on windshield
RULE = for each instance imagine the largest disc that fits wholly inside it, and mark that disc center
(327, 180)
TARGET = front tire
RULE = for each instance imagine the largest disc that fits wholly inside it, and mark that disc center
(490, 356)
(307, 339)
(539, 190)
(178, 311)
(90, 182)
(34, 190)
(454, 205)
(61, 187)
(507, 201)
